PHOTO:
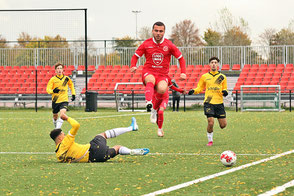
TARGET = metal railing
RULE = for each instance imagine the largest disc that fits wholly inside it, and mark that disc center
(122, 56)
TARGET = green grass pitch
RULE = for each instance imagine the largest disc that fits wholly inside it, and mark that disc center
(252, 136)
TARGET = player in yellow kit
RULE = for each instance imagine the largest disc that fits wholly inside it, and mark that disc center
(58, 88)
(68, 151)
(215, 85)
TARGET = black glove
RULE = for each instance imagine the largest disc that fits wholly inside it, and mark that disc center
(56, 90)
(191, 92)
(73, 97)
(225, 93)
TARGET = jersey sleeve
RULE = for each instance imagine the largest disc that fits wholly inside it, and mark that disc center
(49, 88)
(224, 84)
(141, 50)
(71, 86)
(200, 85)
(74, 127)
(175, 51)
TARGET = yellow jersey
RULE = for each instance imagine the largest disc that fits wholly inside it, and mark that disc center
(214, 83)
(68, 150)
(62, 83)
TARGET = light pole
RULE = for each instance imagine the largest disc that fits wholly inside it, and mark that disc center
(136, 12)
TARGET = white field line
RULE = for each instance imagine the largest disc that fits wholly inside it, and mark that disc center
(161, 154)
(89, 117)
(186, 184)
(278, 189)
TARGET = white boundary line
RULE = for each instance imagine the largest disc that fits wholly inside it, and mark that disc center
(278, 189)
(161, 154)
(179, 186)
(81, 118)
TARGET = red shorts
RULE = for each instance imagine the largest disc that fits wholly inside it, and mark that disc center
(158, 77)
(160, 101)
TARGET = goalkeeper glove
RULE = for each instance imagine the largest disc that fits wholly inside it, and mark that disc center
(191, 92)
(73, 97)
(56, 90)
(225, 93)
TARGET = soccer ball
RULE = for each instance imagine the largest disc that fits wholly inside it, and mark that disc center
(228, 158)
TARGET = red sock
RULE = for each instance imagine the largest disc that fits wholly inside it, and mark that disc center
(160, 119)
(149, 91)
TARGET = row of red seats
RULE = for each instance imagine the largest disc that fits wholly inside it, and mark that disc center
(267, 75)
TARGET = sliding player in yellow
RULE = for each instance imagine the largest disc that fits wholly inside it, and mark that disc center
(58, 88)
(68, 151)
(215, 84)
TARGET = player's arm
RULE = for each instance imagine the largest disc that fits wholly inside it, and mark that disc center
(139, 52)
(72, 88)
(74, 126)
(49, 88)
(200, 87)
(177, 53)
(176, 89)
(225, 87)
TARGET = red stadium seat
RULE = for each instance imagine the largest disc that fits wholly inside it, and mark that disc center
(236, 67)
(225, 67)
(91, 68)
(81, 68)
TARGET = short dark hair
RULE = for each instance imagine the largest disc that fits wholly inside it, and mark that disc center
(55, 133)
(158, 24)
(58, 64)
(213, 58)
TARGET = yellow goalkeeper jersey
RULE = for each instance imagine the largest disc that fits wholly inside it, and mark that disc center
(62, 83)
(213, 83)
(68, 150)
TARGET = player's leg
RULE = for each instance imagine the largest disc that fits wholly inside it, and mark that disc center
(221, 115)
(210, 113)
(178, 103)
(174, 103)
(222, 122)
(118, 131)
(161, 87)
(149, 81)
(55, 117)
(59, 121)
(160, 118)
(210, 123)
(156, 104)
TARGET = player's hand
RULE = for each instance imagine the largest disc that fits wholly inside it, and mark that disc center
(56, 90)
(133, 69)
(183, 76)
(184, 91)
(191, 92)
(73, 97)
(225, 93)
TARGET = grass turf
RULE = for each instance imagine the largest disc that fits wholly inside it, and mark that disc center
(185, 132)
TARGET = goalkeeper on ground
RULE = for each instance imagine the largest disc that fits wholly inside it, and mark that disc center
(215, 85)
(58, 88)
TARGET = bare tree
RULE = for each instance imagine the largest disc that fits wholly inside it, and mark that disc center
(3, 43)
(266, 37)
(185, 33)
(145, 33)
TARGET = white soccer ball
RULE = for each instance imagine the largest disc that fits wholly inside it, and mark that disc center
(228, 158)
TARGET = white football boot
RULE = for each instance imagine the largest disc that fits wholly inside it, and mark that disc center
(153, 116)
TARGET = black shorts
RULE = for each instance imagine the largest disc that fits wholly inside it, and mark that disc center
(99, 151)
(56, 107)
(214, 110)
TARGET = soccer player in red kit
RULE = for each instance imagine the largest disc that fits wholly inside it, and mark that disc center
(160, 102)
(157, 51)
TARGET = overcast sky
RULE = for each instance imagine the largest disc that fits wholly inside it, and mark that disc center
(114, 18)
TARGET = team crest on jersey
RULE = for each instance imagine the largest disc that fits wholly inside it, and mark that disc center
(157, 58)
(165, 48)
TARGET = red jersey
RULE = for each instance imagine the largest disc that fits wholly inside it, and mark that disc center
(157, 56)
